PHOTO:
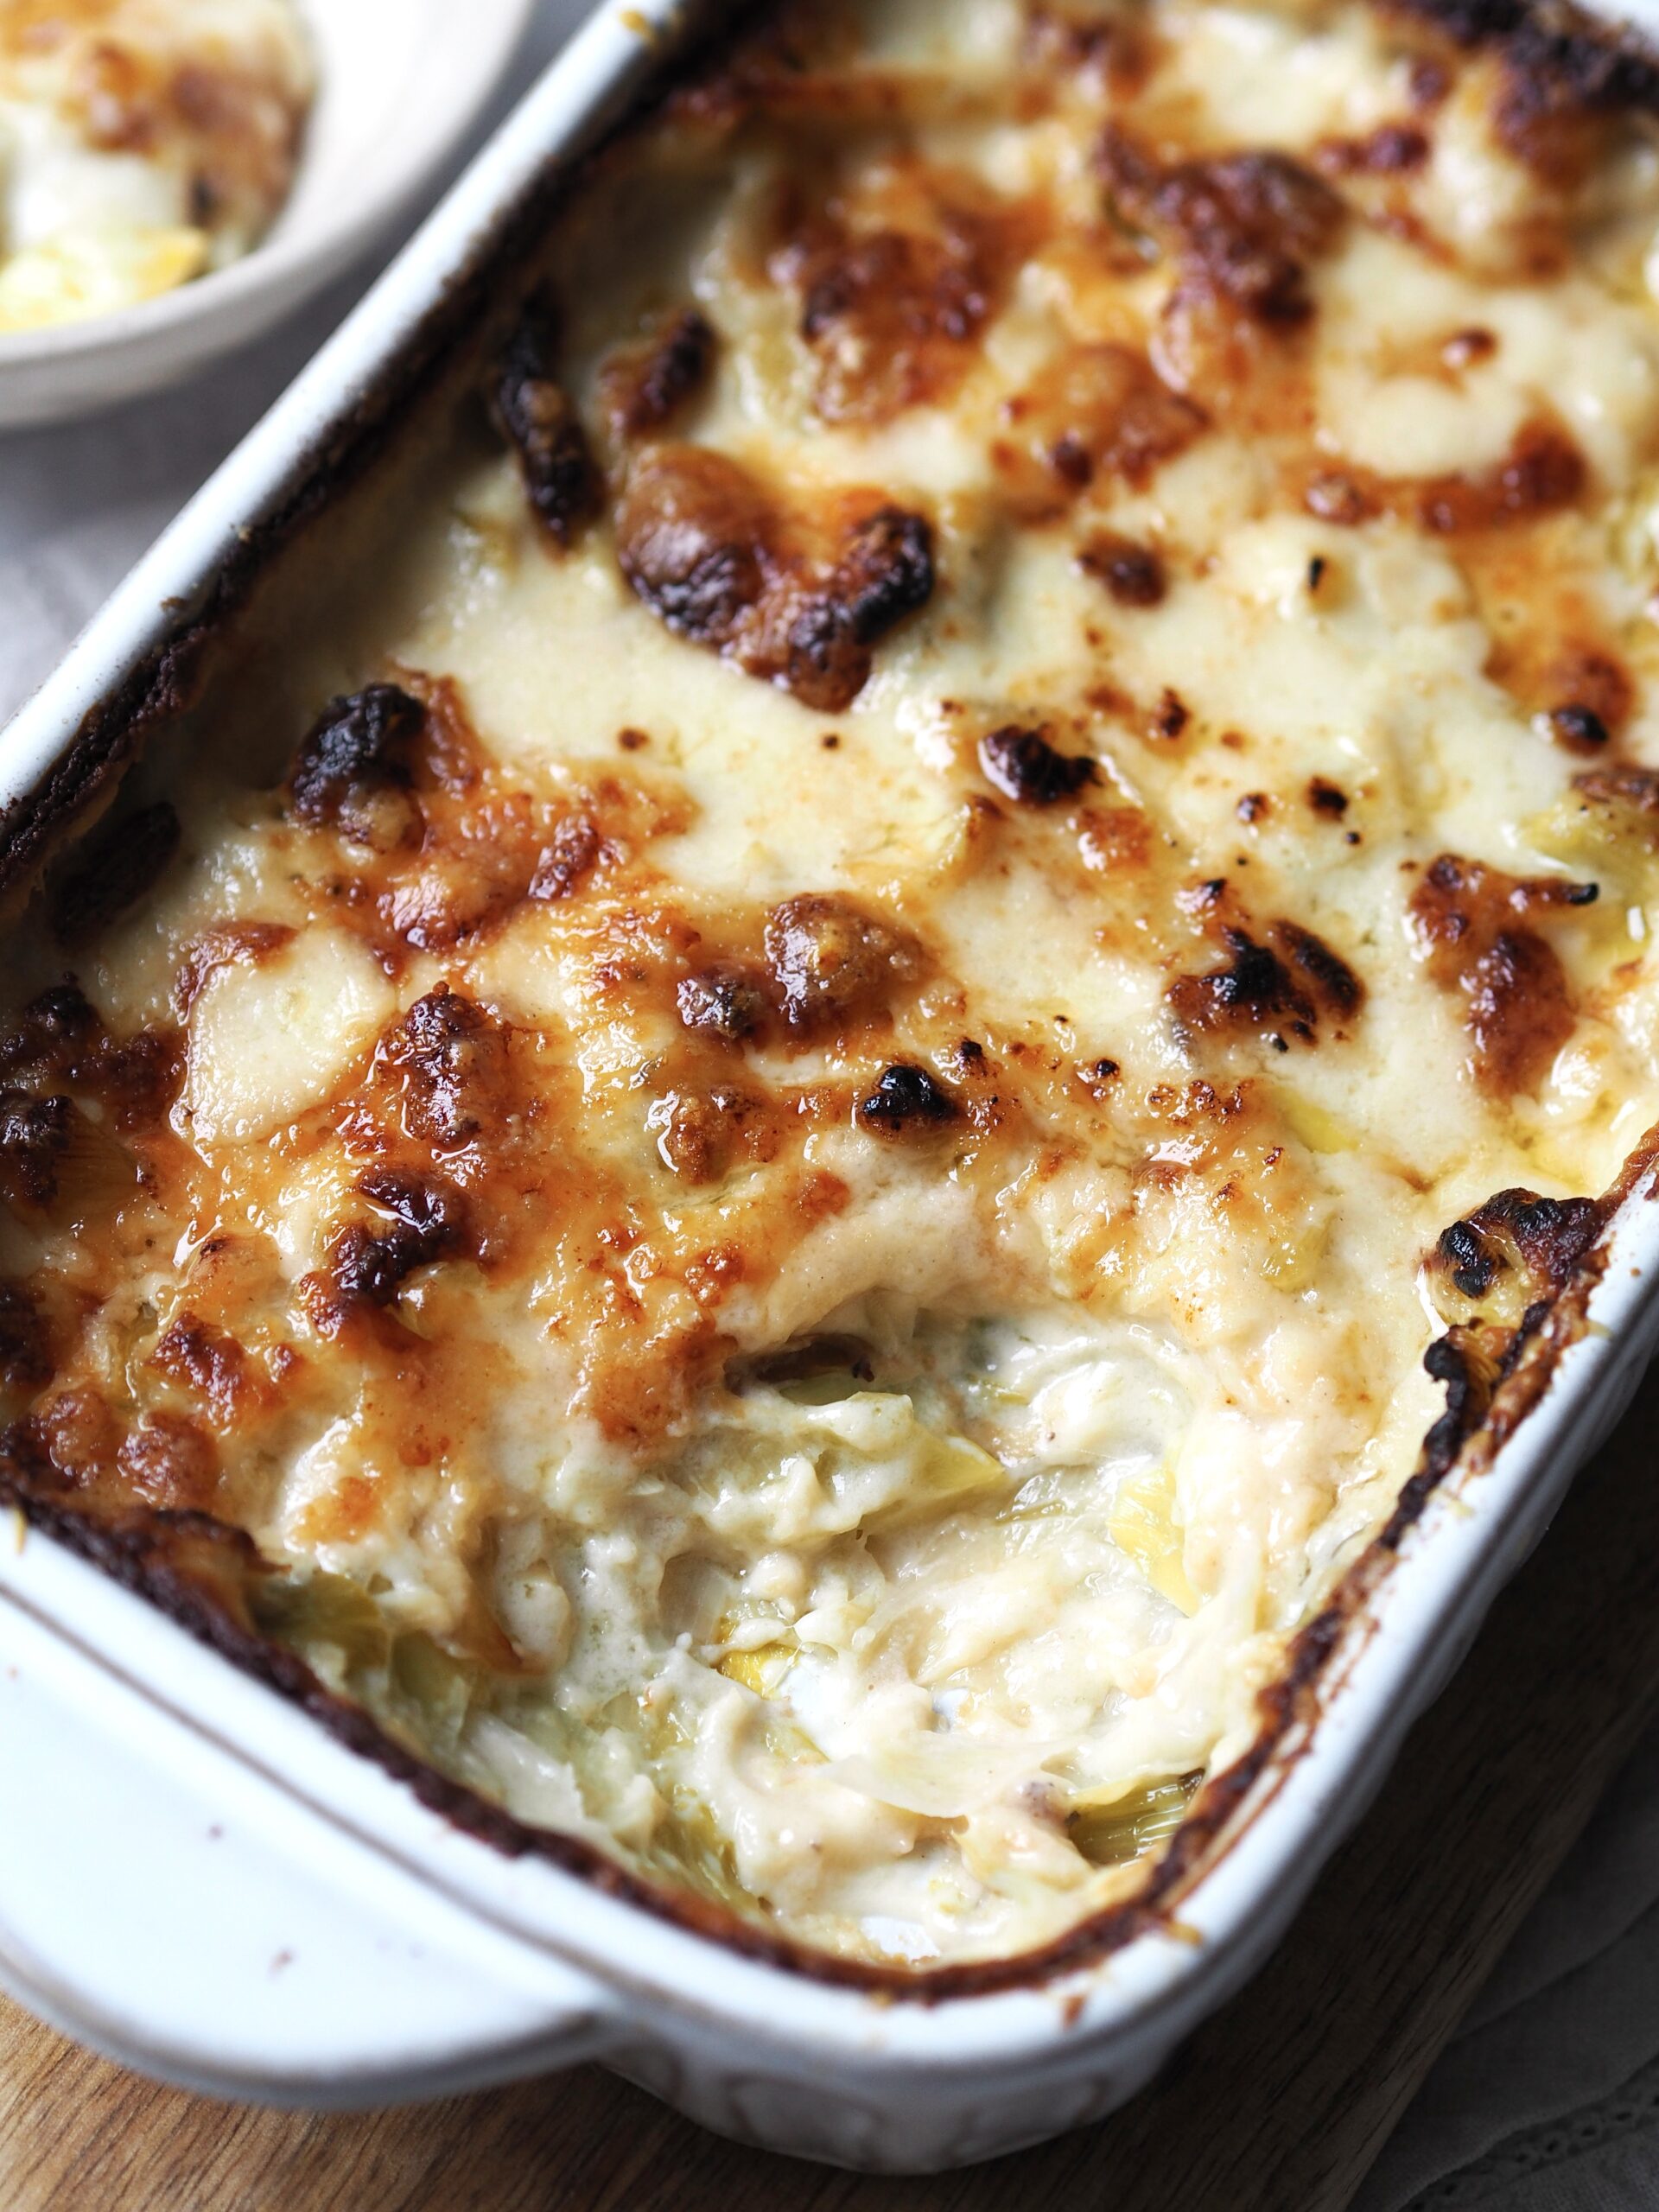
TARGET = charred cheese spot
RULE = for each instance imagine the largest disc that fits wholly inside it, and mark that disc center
(352, 773)
(71, 1442)
(1625, 796)
(423, 1219)
(567, 862)
(1471, 924)
(1326, 799)
(1283, 986)
(122, 865)
(1510, 1252)
(1543, 470)
(561, 477)
(885, 572)
(206, 1362)
(1543, 473)
(893, 311)
(1132, 572)
(717, 560)
(1170, 716)
(832, 962)
(644, 386)
(1588, 695)
(26, 1361)
(1025, 766)
(170, 1462)
(51, 1034)
(1243, 231)
(702, 1133)
(725, 1000)
(905, 1099)
(34, 1134)
(1244, 227)
(1387, 150)
(447, 1061)
(698, 540)
(1558, 93)
(1579, 728)
(58, 1038)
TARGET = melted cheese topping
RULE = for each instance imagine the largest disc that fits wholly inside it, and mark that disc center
(992, 857)
(142, 141)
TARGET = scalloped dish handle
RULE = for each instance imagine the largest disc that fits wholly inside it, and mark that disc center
(157, 1901)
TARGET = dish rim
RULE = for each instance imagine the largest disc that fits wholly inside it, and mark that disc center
(133, 672)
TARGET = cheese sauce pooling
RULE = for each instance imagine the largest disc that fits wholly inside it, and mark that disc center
(993, 855)
(142, 142)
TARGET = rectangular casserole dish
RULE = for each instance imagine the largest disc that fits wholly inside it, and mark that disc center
(344, 1940)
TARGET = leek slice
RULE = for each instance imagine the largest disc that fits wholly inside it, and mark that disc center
(1112, 1835)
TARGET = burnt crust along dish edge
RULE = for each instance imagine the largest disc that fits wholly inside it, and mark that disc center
(198, 1570)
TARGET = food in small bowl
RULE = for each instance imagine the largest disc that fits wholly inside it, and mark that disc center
(142, 143)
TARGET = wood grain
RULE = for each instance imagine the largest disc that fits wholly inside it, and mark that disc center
(1279, 2104)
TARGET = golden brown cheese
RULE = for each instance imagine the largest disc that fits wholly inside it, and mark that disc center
(802, 1119)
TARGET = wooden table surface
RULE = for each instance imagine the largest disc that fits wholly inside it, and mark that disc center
(1279, 2104)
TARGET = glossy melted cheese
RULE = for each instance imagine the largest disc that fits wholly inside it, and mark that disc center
(142, 141)
(798, 1182)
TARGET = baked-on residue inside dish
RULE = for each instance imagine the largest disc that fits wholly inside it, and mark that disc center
(786, 1112)
(142, 142)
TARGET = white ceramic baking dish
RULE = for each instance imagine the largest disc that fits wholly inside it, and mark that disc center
(197, 1879)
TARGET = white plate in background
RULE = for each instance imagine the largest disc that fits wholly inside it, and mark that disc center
(399, 84)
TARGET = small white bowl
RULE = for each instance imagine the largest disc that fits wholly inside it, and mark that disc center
(399, 84)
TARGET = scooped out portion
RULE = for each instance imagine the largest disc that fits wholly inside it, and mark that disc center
(853, 1644)
(787, 1115)
(142, 144)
